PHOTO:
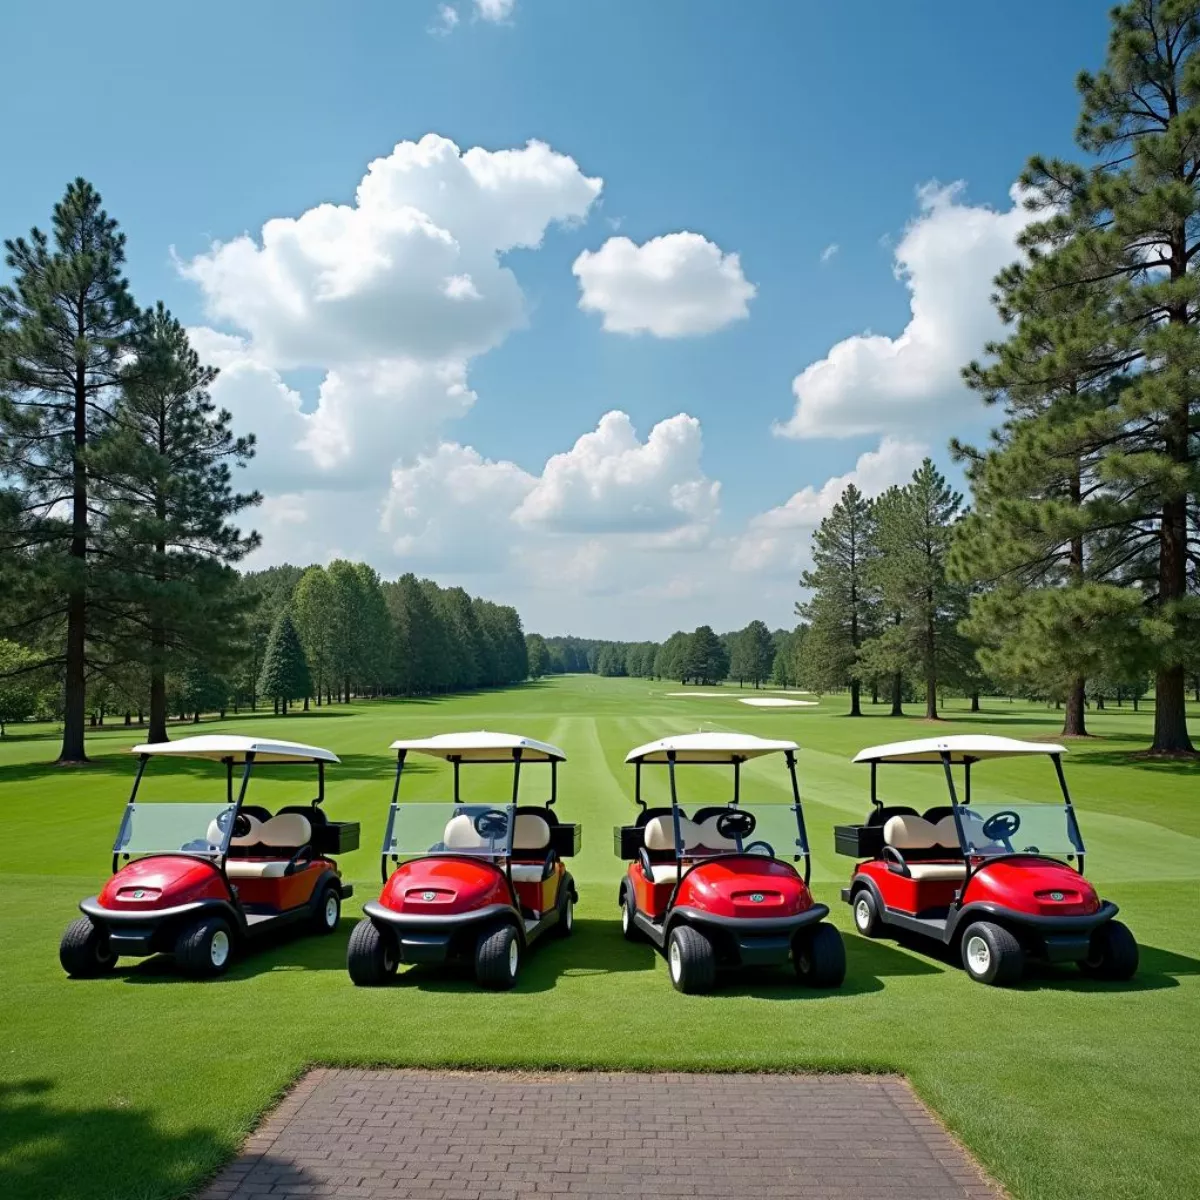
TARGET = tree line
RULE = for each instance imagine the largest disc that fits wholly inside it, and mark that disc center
(119, 537)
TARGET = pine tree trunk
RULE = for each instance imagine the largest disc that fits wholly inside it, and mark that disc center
(158, 685)
(874, 691)
(931, 706)
(974, 701)
(306, 704)
(195, 718)
(128, 717)
(897, 695)
(75, 677)
(1099, 703)
(1170, 714)
(855, 706)
(1135, 703)
(1075, 723)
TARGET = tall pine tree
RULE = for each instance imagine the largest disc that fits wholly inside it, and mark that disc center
(66, 324)
(285, 676)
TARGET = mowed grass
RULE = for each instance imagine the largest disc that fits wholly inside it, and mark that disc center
(142, 1084)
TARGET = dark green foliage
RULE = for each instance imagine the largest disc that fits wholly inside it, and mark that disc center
(705, 660)
(285, 676)
(538, 655)
(752, 654)
(842, 612)
(66, 322)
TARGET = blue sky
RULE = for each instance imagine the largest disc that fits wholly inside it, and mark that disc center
(771, 130)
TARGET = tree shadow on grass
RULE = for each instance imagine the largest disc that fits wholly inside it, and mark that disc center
(54, 1151)
(1139, 760)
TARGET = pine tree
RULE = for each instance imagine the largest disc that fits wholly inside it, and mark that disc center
(705, 660)
(914, 528)
(285, 676)
(1130, 221)
(66, 323)
(163, 469)
(314, 607)
(841, 614)
(539, 656)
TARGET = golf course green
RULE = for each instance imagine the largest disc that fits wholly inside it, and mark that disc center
(142, 1083)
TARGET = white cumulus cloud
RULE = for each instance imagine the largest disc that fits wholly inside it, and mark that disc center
(446, 20)
(947, 258)
(678, 285)
(829, 251)
(780, 539)
(494, 10)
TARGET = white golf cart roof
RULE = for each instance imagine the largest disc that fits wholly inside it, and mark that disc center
(220, 747)
(482, 746)
(962, 747)
(708, 748)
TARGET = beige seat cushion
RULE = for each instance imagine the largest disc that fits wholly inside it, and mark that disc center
(664, 872)
(531, 832)
(287, 829)
(250, 868)
(937, 872)
(706, 835)
(911, 833)
(460, 834)
(528, 872)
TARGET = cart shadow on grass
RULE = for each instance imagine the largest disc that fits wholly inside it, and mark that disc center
(46, 1140)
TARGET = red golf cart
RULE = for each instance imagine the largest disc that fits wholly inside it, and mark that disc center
(479, 882)
(1001, 881)
(199, 880)
(714, 890)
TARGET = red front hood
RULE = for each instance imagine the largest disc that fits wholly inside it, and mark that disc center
(1033, 885)
(163, 881)
(445, 886)
(752, 886)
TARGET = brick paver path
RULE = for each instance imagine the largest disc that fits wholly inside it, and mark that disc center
(492, 1136)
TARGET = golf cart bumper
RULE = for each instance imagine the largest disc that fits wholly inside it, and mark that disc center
(1061, 939)
(845, 893)
(429, 938)
(138, 933)
(762, 942)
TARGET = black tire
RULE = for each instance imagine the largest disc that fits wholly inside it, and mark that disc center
(1113, 954)
(866, 913)
(691, 961)
(327, 912)
(204, 949)
(371, 955)
(84, 950)
(498, 958)
(629, 929)
(565, 926)
(992, 955)
(819, 956)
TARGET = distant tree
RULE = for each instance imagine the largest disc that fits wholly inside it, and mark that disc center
(285, 676)
(705, 659)
(539, 656)
(842, 612)
(265, 594)
(18, 691)
(314, 605)
(669, 661)
(66, 326)
(202, 690)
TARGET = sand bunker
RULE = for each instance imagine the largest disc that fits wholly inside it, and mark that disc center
(702, 695)
(777, 702)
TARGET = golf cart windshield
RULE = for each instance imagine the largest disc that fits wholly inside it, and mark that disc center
(992, 829)
(149, 828)
(770, 829)
(484, 830)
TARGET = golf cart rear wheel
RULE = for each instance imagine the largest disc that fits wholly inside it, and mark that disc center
(819, 957)
(497, 958)
(1113, 954)
(866, 913)
(85, 951)
(371, 956)
(204, 948)
(566, 915)
(328, 910)
(992, 955)
(629, 929)
(691, 960)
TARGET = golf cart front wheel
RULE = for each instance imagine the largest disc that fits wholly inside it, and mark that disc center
(371, 956)
(204, 948)
(691, 960)
(819, 957)
(992, 955)
(497, 958)
(85, 951)
(866, 913)
(328, 911)
(1113, 954)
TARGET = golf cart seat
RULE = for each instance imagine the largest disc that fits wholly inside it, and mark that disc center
(910, 836)
(658, 837)
(273, 842)
(531, 843)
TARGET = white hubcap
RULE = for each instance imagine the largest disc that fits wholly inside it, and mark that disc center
(218, 948)
(331, 910)
(570, 914)
(979, 957)
(862, 914)
(514, 953)
(676, 962)
(625, 916)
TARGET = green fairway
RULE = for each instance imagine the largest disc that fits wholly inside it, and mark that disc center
(142, 1083)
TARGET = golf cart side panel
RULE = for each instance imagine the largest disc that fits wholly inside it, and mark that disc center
(445, 886)
(906, 894)
(1037, 886)
(651, 898)
(286, 892)
(164, 881)
(752, 887)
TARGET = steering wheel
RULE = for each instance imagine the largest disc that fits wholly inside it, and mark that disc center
(1000, 827)
(735, 824)
(241, 823)
(760, 848)
(491, 824)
